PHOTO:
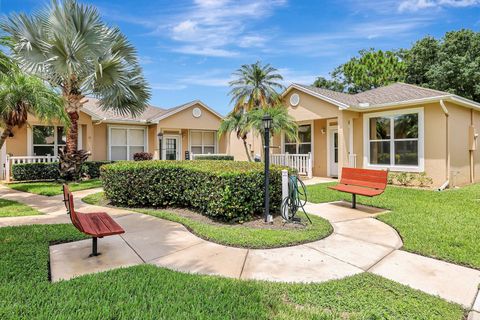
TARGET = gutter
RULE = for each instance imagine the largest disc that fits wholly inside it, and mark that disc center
(447, 148)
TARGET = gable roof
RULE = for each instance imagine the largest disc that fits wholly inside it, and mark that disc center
(394, 94)
(151, 114)
(182, 107)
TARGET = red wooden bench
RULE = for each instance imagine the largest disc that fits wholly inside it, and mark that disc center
(95, 224)
(364, 182)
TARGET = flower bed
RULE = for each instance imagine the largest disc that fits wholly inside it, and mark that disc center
(226, 190)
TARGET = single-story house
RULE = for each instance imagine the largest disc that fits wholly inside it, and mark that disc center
(399, 127)
(171, 134)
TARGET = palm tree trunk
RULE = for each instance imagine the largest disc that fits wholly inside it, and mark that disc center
(5, 134)
(72, 132)
(244, 138)
(74, 104)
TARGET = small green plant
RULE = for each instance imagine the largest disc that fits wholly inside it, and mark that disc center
(404, 178)
(424, 180)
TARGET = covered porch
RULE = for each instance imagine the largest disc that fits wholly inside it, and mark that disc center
(325, 139)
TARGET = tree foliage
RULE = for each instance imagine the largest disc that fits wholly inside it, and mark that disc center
(255, 86)
(68, 45)
(450, 64)
(371, 69)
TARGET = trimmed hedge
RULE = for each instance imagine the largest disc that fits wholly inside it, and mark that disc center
(49, 171)
(214, 157)
(92, 168)
(35, 171)
(227, 190)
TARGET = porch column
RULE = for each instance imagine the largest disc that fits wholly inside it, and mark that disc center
(344, 137)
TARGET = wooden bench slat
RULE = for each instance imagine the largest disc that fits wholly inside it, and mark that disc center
(364, 182)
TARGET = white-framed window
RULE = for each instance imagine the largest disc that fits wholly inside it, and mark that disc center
(304, 144)
(124, 142)
(47, 140)
(203, 142)
(394, 140)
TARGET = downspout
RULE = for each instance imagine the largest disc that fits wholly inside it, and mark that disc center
(472, 148)
(447, 148)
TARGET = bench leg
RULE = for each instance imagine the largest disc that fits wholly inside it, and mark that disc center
(354, 201)
(94, 247)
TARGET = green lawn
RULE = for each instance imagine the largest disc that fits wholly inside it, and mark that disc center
(443, 225)
(9, 208)
(238, 235)
(53, 188)
(148, 292)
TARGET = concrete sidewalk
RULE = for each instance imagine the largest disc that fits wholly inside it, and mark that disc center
(358, 244)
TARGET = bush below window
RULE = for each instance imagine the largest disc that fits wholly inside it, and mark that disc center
(49, 171)
(35, 171)
(213, 157)
(142, 156)
(227, 190)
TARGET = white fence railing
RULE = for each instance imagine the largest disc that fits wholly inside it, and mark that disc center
(352, 159)
(301, 162)
(10, 161)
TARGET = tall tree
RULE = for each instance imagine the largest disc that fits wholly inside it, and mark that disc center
(330, 84)
(69, 46)
(420, 59)
(450, 64)
(236, 121)
(371, 69)
(255, 86)
(21, 95)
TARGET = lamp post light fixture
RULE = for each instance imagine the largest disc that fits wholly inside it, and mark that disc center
(267, 124)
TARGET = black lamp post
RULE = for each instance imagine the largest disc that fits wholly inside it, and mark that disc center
(267, 124)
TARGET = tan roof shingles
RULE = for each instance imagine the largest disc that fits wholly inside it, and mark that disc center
(396, 92)
(150, 112)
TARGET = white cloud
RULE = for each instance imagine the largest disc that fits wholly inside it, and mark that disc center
(295, 76)
(352, 37)
(168, 86)
(417, 5)
(219, 27)
(213, 78)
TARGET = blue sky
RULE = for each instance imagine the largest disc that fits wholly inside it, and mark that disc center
(189, 48)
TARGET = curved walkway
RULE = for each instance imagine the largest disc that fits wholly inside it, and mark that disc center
(358, 244)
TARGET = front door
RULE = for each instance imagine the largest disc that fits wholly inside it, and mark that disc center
(333, 136)
(171, 149)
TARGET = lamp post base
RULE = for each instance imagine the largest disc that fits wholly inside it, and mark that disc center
(269, 219)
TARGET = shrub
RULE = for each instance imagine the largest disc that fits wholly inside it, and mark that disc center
(214, 157)
(49, 171)
(141, 156)
(226, 190)
(91, 169)
(35, 171)
(410, 179)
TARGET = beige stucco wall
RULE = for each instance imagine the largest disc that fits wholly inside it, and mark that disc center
(434, 141)
(234, 146)
(185, 119)
(18, 144)
(310, 107)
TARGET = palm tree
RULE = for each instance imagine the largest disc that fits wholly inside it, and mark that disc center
(281, 122)
(236, 121)
(255, 87)
(20, 95)
(69, 46)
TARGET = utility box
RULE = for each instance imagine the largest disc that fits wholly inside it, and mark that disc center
(472, 138)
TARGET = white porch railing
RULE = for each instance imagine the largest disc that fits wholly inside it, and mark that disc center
(10, 161)
(352, 159)
(301, 162)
